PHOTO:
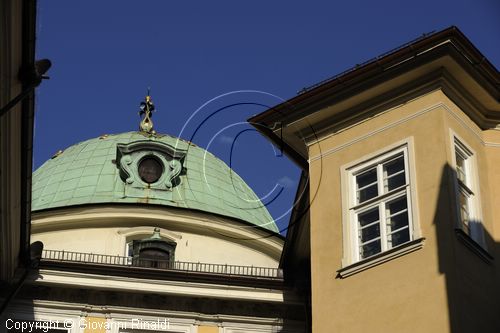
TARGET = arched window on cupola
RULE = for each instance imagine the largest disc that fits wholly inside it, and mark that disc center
(153, 252)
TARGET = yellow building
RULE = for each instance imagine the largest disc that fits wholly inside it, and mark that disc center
(397, 222)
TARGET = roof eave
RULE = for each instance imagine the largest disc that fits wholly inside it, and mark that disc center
(296, 106)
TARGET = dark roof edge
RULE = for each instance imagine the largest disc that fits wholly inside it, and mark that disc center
(281, 144)
(481, 63)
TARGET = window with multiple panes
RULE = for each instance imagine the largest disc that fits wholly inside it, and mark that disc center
(467, 203)
(380, 204)
(150, 251)
(465, 193)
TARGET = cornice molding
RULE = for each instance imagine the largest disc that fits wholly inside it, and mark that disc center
(56, 310)
(397, 123)
(440, 80)
(50, 277)
(175, 220)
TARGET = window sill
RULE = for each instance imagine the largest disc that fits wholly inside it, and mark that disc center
(380, 258)
(474, 246)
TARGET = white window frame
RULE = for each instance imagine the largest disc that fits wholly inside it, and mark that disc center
(470, 187)
(351, 260)
(128, 246)
(379, 202)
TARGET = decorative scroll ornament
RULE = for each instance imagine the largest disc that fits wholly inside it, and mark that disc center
(150, 164)
(146, 113)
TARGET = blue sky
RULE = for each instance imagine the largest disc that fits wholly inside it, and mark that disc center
(211, 65)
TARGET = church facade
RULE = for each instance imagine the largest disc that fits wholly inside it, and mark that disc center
(143, 231)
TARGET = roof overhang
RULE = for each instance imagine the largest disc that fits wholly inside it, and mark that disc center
(445, 60)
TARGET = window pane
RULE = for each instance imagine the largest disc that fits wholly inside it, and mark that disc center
(394, 166)
(366, 185)
(367, 193)
(460, 166)
(366, 178)
(368, 217)
(130, 249)
(369, 249)
(369, 229)
(396, 205)
(395, 181)
(399, 237)
(463, 200)
(394, 174)
(397, 213)
(369, 233)
(398, 221)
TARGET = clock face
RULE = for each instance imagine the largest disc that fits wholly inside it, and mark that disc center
(150, 170)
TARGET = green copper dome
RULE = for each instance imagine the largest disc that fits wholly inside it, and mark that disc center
(135, 167)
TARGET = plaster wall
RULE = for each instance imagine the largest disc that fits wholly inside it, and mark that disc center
(205, 246)
(200, 241)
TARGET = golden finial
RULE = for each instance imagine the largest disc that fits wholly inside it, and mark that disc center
(147, 108)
